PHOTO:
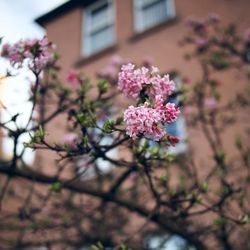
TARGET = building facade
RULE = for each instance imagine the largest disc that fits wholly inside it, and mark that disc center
(89, 33)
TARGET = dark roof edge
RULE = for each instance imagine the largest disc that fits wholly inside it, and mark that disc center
(60, 10)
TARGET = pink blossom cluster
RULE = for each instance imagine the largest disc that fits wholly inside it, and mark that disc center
(35, 52)
(201, 24)
(201, 43)
(150, 121)
(133, 81)
(210, 103)
(213, 18)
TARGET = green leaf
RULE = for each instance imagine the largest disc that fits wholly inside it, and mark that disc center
(163, 178)
(98, 246)
(220, 221)
(123, 247)
(103, 86)
(108, 126)
(86, 120)
(170, 158)
(56, 187)
(218, 61)
(204, 186)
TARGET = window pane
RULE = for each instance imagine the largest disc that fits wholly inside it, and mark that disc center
(101, 39)
(98, 27)
(99, 17)
(172, 129)
(149, 2)
(154, 14)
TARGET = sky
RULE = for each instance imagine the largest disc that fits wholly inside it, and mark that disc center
(17, 22)
(17, 17)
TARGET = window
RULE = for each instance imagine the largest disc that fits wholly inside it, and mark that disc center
(98, 27)
(177, 128)
(149, 13)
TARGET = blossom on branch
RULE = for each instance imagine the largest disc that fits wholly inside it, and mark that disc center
(35, 52)
(149, 119)
(132, 82)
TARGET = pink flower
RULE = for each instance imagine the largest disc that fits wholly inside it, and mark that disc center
(162, 86)
(71, 140)
(154, 70)
(201, 43)
(168, 112)
(73, 78)
(210, 103)
(143, 121)
(43, 42)
(173, 140)
(148, 121)
(132, 81)
(35, 53)
(198, 25)
(129, 82)
(214, 18)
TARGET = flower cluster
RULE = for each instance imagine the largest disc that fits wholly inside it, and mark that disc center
(132, 82)
(147, 121)
(36, 53)
(202, 28)
(151, 118)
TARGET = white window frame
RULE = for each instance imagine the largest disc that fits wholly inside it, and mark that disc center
(86, 49)
(138, 15)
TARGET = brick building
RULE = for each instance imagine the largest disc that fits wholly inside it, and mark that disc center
(88, 33)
